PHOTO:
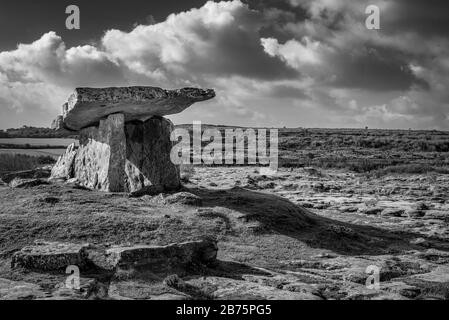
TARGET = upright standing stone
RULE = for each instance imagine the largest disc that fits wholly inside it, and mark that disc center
(100, 161)
(148, 163)
(64, 167)
(119, 157)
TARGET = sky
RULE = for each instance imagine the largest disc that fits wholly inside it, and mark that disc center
(273, 63)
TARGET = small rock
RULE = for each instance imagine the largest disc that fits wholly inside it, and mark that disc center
(266, 185)
(306, 205)
(415, 213)
(348, 209)
(321, 187)
(421, 206)
(372, 211)
(393, 212)
(174, 281)
(72, 181)
(26, 183)
(321, 206)
(420, 242)
(185, 198)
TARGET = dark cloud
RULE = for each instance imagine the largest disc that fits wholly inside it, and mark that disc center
(271, 61)
(375, 68)
(428, 18)
(287, 92)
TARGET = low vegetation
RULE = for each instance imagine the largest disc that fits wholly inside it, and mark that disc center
(19, 162)
(361, 150)
(35, 132)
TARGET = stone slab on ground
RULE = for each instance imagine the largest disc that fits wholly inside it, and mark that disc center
(50, 256)
(232, 289)
(20, 290)
(157, 258)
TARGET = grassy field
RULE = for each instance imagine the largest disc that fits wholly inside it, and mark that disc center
(19, 162)
(312, 231)
(361, 150)
(377, 152)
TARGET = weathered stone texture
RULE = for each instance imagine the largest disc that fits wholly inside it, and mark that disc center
(58, 123)
(156, 258)
(100, 160)
(124, 140)
(148, 163)
(119, 157)
(50, 256)
(64, 167)
(87, 106)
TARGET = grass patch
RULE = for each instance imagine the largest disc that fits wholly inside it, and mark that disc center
(410, 169)
(20, 162)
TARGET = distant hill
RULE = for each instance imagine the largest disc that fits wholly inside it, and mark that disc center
(34, 132)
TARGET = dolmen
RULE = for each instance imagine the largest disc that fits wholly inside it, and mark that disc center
(124, 139)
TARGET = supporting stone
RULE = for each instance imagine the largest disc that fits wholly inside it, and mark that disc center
(118, 157)
(100, 160)
(64, 167)
(124, 140)
(148, 163)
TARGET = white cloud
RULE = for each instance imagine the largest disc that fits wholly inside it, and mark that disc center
(328, 61)
(47, 60)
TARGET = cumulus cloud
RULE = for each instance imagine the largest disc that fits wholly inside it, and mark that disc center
(272, 62)
(48, 60)
(36, 78)
(217, 39)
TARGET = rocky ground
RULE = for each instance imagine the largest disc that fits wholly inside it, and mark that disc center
(304, 233)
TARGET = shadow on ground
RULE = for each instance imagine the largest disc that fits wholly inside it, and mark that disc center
(278, 215)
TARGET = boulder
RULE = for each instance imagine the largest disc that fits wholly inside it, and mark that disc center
(64, 167)
(156, 258)
(58, 123)
(100, 159)
(87, 106)
(148, 164)
(50, 256)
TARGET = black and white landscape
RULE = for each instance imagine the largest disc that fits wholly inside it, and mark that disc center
(351, 201)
